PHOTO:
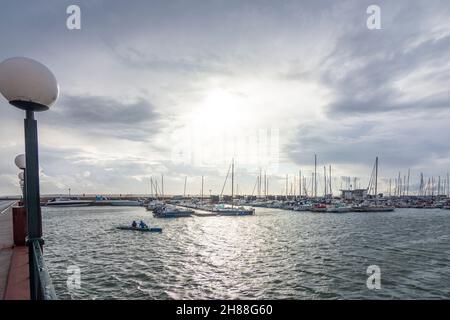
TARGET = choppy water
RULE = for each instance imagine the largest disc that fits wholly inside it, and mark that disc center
(275, 254)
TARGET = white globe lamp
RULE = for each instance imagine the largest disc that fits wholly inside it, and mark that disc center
(28, 84)
(20, 161)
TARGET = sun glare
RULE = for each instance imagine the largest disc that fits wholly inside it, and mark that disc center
(221, 111)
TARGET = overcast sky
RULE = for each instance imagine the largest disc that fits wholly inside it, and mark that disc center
(181, 87)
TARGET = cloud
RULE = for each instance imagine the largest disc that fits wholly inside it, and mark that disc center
(369, 69)
(135, 75)
(100, 116)
(389, 93)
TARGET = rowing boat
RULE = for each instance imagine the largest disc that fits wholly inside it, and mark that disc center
(139, 229)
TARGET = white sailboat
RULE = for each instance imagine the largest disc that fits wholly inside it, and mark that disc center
(223, 210)
(367, 206)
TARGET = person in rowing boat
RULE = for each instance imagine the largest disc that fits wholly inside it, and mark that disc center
(142, 225)
(134, 224)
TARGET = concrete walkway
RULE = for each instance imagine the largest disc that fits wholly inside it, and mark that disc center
(6, 243)
(14, 273)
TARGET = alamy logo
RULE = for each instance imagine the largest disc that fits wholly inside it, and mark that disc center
(73, 278)
(374, 19)
(374, 279)
(73, 21)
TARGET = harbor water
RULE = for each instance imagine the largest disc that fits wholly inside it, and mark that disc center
(275, 254)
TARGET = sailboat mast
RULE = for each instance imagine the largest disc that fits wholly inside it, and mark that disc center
(232, 181)
(151, 187)
(201, 201)
(260, 183)
(265, 184)
(300, 183)
(407, 182)
(448, 185)
(162, 185)
(286, 186)
(315, 176)
(184, 191)
(376, 177)
(329, 178)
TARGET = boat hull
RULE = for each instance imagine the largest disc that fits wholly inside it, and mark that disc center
(236, 213)
(173, 215)
(80, 204)
(139, 229)
(373, 209)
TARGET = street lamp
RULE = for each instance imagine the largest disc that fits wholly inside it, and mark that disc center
(32, 87)
(19, 160)
(21, 176)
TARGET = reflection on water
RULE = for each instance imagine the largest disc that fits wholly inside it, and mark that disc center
(273, 255)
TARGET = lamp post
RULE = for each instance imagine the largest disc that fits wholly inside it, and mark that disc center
(32, 87)
(19, 160)
(21, 176)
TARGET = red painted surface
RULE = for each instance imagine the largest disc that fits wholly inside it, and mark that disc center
(20, 224)
(18, 283)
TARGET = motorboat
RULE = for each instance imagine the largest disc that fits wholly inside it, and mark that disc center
(339, 208)
(168, 211)
(319, 207)
(221, 210)
(67, 202)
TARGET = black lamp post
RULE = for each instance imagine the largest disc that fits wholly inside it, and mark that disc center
(32, 87)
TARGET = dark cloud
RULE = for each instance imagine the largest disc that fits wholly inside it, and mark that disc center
(106, 117)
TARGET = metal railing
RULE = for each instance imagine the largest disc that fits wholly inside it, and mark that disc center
(44, 287)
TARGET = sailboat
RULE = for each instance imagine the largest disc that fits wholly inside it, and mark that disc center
(223, 210)
(367, 206)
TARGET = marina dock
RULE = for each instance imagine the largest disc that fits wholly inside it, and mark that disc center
(14, 266)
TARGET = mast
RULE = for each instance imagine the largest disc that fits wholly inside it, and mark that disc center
(300, 183)
(432, 186)
(260, 183)
(315, 175)
(305, 187)
(286, 186)
(162, 185)
(407, 182)
(448, 185)
(201, 199)
(265, 184)
(151, 187)
(329, 178)
(184, 192)
(439, 186)
(232, 181)
(376, 177)
(325, 181)
(421, 185)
